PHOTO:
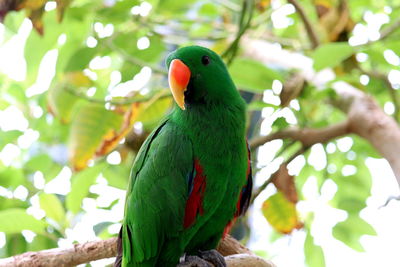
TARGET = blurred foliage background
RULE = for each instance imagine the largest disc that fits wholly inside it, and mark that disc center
(83, 83)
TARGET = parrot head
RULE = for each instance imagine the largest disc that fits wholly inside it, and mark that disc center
(197, 75)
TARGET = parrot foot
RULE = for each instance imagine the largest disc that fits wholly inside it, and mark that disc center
(214, 257)
(193, 261)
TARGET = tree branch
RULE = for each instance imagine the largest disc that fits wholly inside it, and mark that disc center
(78, 254)
(365, 117)
(369, 121)
(95, 250)
(385, 32)
(306, 136)
(312, 35)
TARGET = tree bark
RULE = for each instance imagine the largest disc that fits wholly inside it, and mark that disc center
(369, 121)
(96, 250)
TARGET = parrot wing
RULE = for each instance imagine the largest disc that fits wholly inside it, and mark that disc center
(157, 194)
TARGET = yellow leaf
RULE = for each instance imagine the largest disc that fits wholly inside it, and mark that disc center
(262, 5)
(92, 125)
(281, 213)
(78, 79)
(113, 137)
(96, 131)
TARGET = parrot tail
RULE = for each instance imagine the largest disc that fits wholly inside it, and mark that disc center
(118, 259)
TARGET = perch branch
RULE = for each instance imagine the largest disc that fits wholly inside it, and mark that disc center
(96, 250)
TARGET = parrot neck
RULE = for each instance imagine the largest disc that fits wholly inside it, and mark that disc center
(211, 123)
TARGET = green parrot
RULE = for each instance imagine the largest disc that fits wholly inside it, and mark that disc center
(192, 176)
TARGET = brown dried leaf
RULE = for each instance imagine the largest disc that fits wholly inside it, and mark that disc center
(291, 88)
(61, 6)
(36, 17)
(262, 5)
(5, 7)
(285, 183)
(113, 137)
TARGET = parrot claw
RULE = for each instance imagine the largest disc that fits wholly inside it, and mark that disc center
(214, 257)
(193, 261)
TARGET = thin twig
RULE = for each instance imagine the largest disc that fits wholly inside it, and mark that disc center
(124, 101)
(244, 24)
(134, 60)
(385, 32)
(307, 136)
(389, 200)
(309, 28)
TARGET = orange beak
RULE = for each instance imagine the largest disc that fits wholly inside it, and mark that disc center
(178, 79)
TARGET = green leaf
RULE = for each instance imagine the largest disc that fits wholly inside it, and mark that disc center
(80, 59)
(331, 54)
(314, 253)
(259, 105)
(37, 46)
(8, 137)
(117, 175)
(152, 112)
(100, 227)
(280, 123)
(81, 183)
(11, 177)
(77, 30)
(17, 92)
(281, 213)
(3, 104)
(16, 244)
(172, 7)
(252, 75)
(12, 22)
(45, 164)
(41, 242)
(350, 231)
(350, 204)
(53, 207)
(209, 9)
(356, 186)
(15, 220)
(61, 103)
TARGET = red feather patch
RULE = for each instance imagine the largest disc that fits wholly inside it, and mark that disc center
(194, 204)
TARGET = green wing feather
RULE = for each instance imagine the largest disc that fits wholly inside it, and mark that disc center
(156, 196)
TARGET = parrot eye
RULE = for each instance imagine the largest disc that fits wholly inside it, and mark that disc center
(205, 60)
